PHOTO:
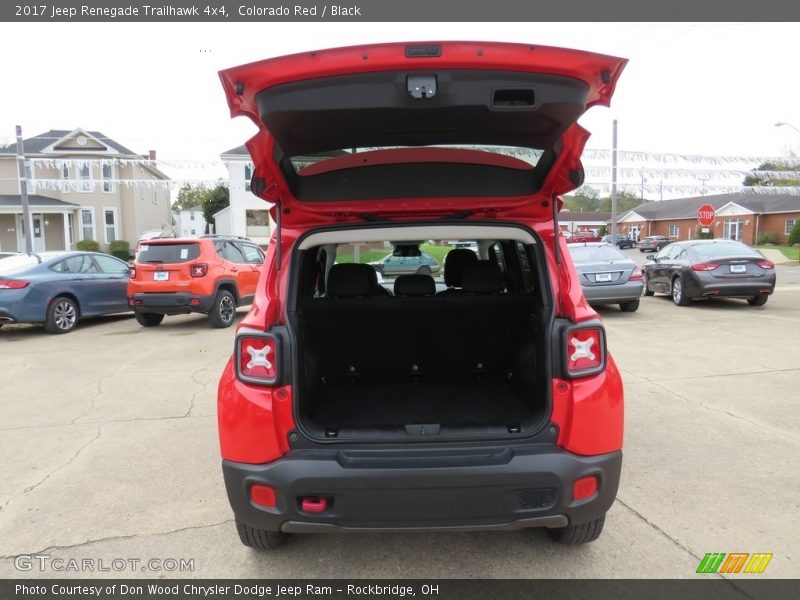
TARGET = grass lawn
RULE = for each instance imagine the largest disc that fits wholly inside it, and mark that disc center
(788, 251)
(438, 252)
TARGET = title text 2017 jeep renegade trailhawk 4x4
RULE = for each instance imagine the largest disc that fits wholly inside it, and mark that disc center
(481, 400)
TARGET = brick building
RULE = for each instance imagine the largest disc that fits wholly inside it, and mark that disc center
(740, 216)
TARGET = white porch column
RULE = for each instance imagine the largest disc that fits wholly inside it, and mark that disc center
(65, 218)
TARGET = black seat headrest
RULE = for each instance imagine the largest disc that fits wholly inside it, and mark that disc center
(414, 285)
(482, 277)
(349, 280)
(454, 265)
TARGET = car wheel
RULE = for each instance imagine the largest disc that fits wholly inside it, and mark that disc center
(424, 270)
(580, 533)
(641, 250)
(148, 319)
(260, 539)
(631, 306)
(62, 315)
(759, 300)
(645, 290)
(224, 309)
(679, 293)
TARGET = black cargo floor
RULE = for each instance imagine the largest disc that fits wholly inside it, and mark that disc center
(387, 405)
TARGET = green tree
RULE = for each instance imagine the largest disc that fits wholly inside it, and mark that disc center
(585, 200)
(794, 234)
(189, 196)
(625, 201)
(759, 180)
(217, 199)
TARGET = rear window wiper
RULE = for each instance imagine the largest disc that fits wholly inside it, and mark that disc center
(155, 261)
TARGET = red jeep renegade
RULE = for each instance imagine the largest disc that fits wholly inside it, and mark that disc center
(481, 397)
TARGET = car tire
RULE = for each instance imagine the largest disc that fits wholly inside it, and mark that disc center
(424, 270)
(148, 319)
(223, 311)
(678, 292)
(260, 539)
(580, 533)
(631, 306)
(645, 290)
(759, 300)
(62, 315)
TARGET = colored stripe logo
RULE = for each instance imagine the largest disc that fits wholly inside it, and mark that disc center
(735, 562)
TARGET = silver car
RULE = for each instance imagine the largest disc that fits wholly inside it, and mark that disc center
(607, 275)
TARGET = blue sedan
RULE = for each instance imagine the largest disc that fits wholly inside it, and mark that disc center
(60, 288)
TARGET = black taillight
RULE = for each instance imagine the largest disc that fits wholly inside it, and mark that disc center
(198, 270)
(584, 350)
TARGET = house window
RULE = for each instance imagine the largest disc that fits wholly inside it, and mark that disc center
(87, 224)
(673, 231)
(257, 223)
(85, 177)
(248, 175)
(64, 172)
(191, 216)
(110, 224)
(108, 176)
(155, 194)
(194, 232)
(788, 226)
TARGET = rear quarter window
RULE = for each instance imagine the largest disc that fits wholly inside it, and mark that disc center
(168, 253)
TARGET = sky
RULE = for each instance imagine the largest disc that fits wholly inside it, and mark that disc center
(715, 89)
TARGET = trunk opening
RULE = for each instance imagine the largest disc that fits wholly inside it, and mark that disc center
(419, 355)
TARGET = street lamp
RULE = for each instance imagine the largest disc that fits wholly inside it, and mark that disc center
(782, 123)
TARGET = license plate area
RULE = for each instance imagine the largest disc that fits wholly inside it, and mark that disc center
(738, 268)
(602, 277)
(161, 276)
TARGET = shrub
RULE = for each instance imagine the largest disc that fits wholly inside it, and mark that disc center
(120, 248)
(766, 237)
(88, 246)
(603, 231)
(794, 234)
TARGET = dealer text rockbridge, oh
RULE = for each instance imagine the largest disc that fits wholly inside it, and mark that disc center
(166, 10)
(155, 590)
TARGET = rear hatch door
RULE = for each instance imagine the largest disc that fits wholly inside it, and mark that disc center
(400, 130)
(164, 264)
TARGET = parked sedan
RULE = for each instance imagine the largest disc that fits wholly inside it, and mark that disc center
(607, 275)
(406, 261)
(654, 243)
(710, 269)
(60, 288)
(621, 241)
(583, 236)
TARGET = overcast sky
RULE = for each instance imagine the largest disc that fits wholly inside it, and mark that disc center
(688, 88)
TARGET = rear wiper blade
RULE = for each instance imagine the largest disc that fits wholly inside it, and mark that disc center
(155, 261)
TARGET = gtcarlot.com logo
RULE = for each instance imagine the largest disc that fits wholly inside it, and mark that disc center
(44, 562)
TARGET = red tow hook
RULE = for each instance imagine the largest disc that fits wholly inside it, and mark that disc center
(313, 504)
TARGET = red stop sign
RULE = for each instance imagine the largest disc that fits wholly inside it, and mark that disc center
(705, 214)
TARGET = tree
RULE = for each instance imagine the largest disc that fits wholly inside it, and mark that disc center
(794, 234)
(585, 200)
(757, 179)
(625, 201)
(211, 200)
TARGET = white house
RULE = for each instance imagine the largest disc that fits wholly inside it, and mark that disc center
(247, 215)
(191, 221)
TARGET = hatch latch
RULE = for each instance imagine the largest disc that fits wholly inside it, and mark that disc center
(421, 86)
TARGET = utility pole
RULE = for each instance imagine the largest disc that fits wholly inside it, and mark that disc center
(614, 182)
(23, 188)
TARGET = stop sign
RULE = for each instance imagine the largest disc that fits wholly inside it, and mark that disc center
(705, 214)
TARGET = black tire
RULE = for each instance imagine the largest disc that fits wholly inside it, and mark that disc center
(582, 533)
(759, 300)
(223, 311)
(678, 293)
(260, 539)
(641, 250)
(62, 315)
(631, 306)
(645, 290)
(424, 270)
(149, 319)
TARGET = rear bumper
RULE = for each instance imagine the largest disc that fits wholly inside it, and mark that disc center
(175, 303)
(494, 489)
(706, 286)
(612, 294)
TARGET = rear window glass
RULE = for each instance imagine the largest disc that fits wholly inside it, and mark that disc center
(593, 253)
(724, 249)
(168, 253)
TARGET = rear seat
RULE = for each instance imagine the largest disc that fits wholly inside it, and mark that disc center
(355, 335)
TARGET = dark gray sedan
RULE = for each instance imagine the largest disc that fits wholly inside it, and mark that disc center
(710, 269)
(607, 275)
(59, 288)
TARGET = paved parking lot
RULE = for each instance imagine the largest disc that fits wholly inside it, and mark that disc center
(109, 439)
